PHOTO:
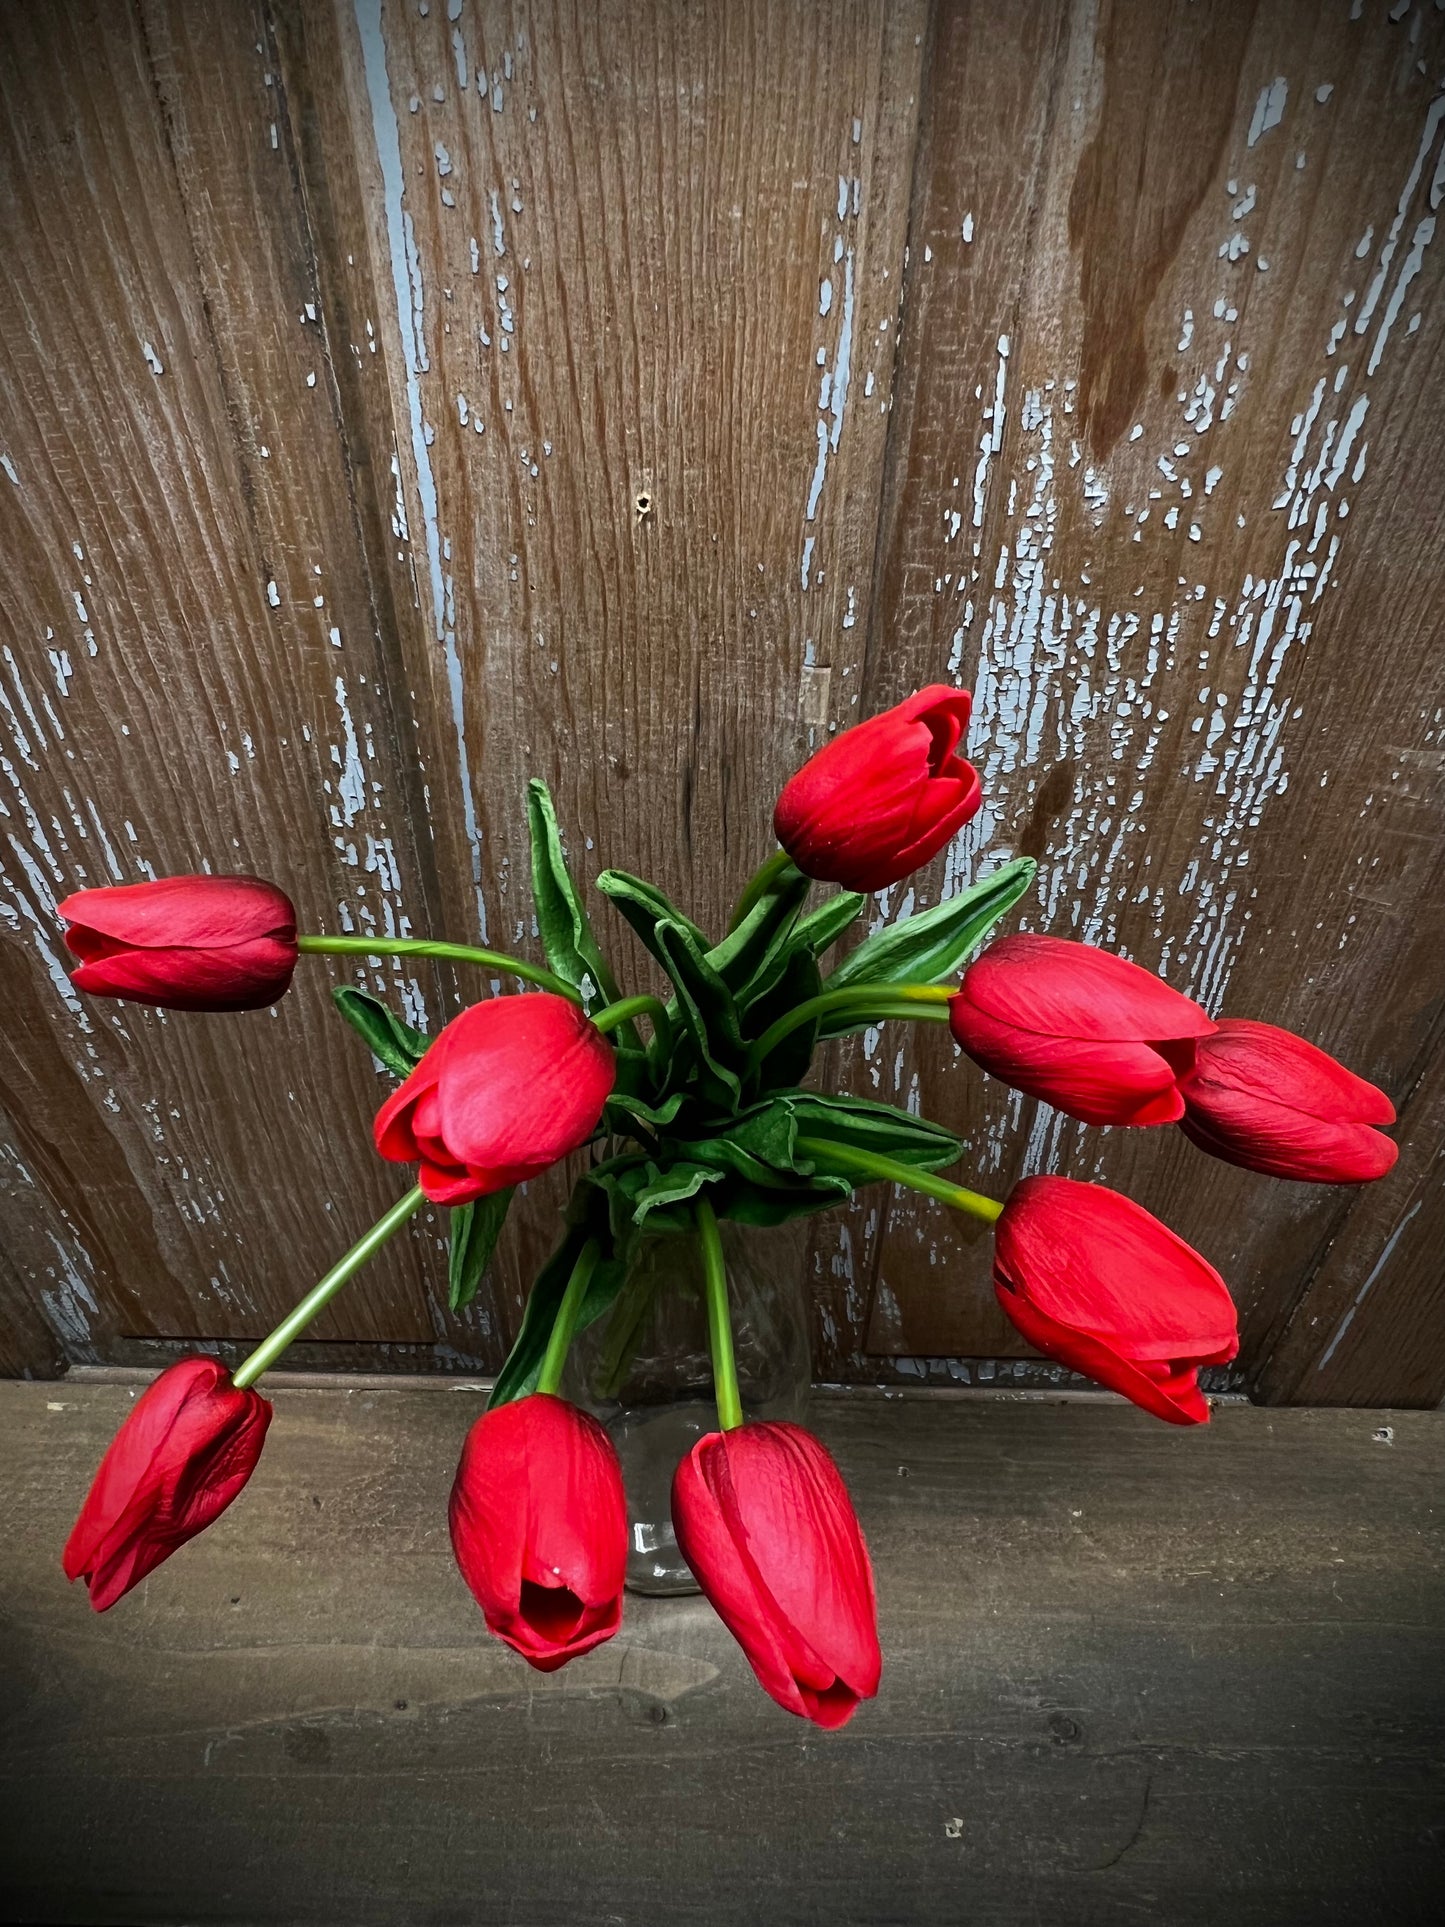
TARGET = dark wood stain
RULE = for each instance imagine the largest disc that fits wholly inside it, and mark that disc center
(1171, 80)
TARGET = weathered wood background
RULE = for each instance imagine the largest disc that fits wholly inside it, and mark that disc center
(401, 399)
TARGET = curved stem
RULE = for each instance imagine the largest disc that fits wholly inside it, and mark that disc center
(321, 1293)
(447, 952)
(719, 1326)
(887, 1000)
(758, 884)
(847, 1162)
(626, 1008)
(549, 1377)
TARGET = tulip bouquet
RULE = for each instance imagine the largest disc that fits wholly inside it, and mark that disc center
(696, 1108)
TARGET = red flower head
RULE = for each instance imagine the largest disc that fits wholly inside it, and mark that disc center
(539, 1528)
(765, 1522)
(187, 1447)
(1082, 1029)
(186, 943)
(884, 797)
(1091, 1279)
(1266, 1099)
(507, 1089)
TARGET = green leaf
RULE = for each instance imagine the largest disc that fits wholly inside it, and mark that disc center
(787, 1063)
(644, 907)
(397, 1045)
(566, 934)
(768, 928)
(931, 946)
(518, 1375)
(824, 926)
(707, 1008)
(623, 1109)
(881, 1128)
(475, 1229)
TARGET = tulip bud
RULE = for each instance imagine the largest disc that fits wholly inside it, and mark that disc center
(539, 1528)
(1091, 1279)
(507, 1089)
(184, 943)
(1086, 1031)
(883, 797)
(188, 1445)
(1265, 1099)
(765, 1522)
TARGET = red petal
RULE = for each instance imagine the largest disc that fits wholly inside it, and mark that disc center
(1098, 1263)
(1063, 989)
(1109, 1081)
(194, 912)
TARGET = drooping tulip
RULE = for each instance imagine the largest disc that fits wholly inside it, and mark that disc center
(765, 1522)
(184, 943)
(884, 797)
(1095, 1281)
(1260, 1097)
(1079, 1027)
(188, 1445)
(539, 1528)
(508, 1088)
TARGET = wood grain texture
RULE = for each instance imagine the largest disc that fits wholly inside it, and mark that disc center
(1130, 1674)
(1164, 488)
(190, 678)
(397, 404)
(635, 274)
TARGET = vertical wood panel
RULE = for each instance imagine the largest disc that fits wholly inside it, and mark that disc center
(190, 677)
(636, 272)
(1188, 580)
(396, 404)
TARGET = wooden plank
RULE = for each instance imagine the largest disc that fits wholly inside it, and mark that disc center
(1129, 1674)
(1367, 1327)
(1166, 478)
(634, 275)
(191, 677)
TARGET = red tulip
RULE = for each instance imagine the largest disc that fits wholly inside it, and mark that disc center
(185, 943)
(884, 797)
(507, 1089)
(539, 1528)
(1086, 1031)
(1263, 1098)
(186, 1448)
(1091, 1279)
(765, 1522)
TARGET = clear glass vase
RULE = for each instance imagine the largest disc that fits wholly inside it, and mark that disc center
(645, 1371)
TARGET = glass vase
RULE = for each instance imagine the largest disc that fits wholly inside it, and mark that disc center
(644, 1369)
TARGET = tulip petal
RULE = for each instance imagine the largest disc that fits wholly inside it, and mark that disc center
(190, 912)
(765, 1522)
(883, 797)
(1259, 1135)
(186, 1449)
(539, 1528)
(1267, 1100)
(1173, 1395)
(244, 977)
(1063, 989)
(1096, 1261)
(1101, 1081)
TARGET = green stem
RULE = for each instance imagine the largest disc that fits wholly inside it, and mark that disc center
(848, 1162)
(626, 1008)
(321, 1293)
(759, 884)
(447, 952)
(719, 1326)
(555, 1358)
(887, 1000)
